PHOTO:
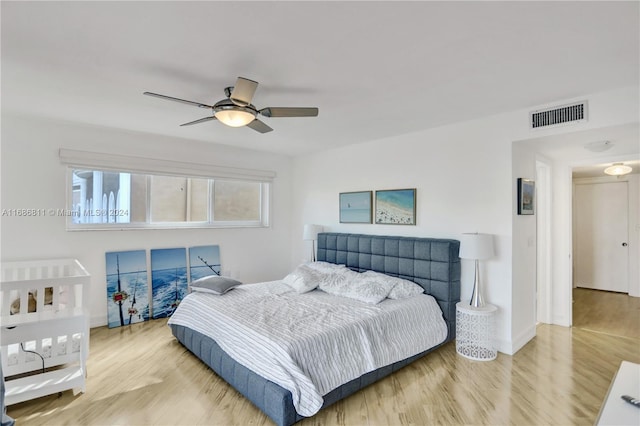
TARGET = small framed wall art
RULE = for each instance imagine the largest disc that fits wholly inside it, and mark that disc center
(396, 207)
(355, 207)
(526, 196)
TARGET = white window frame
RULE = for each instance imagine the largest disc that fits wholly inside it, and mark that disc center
(75, 159)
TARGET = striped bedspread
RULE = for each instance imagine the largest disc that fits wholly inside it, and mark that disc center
(311, 343)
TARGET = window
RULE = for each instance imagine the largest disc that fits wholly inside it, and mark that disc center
(102, 199)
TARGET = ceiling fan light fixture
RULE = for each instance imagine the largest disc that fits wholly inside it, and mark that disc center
(234, 117)
(238, 111)
(618, 169)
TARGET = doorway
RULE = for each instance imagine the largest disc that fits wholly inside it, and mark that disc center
(601, 231)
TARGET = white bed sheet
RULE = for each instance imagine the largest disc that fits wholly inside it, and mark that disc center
(314, 342)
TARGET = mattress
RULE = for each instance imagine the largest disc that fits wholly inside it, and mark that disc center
(312, 343)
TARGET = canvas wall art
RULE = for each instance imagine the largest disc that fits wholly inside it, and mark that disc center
(355, 207)
(127, 287)
(168, 279)
(396, 207)
(204, 261)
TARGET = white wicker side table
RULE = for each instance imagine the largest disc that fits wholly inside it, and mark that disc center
(475, 331)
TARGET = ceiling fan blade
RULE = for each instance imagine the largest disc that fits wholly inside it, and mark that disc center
(259, 126)
(170, 98)
(243, 91)
(202, 120)
(289, 112)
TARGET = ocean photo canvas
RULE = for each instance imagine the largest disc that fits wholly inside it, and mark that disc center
(127, 287)
(355, 207)
(168, 280)
(396, 207)
(204, 261)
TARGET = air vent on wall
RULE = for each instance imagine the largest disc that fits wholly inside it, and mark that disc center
(572, 113)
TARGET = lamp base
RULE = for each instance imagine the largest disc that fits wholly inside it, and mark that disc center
(477, 301)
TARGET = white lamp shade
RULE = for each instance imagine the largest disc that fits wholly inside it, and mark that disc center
(311, 232)
(476, 246)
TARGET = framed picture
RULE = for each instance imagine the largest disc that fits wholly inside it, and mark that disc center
(355, 207)
(396, 207)
(526, 196)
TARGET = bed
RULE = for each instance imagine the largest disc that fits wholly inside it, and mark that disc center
(431, 263)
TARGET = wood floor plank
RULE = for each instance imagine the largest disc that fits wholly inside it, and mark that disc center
(140, 375)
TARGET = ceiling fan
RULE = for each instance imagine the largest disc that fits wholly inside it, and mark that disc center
(237, 110)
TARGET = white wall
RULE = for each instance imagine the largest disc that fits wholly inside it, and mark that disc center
(524, 251)
(32, 177)
(465, 179)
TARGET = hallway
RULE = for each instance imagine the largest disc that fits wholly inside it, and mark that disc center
(607, 312)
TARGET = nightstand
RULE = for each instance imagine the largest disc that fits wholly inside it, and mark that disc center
(475, 331)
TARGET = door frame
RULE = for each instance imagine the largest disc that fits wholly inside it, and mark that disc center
(543, 241)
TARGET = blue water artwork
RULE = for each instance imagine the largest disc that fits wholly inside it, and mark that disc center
(355, 207)
(127, 287)
(168, 280)
(396, 207)
(204, 261)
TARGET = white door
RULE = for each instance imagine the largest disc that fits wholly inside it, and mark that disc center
(601, 252)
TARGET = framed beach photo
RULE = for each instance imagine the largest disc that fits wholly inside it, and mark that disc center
(396, 207)
(526, 196)
(355, 207)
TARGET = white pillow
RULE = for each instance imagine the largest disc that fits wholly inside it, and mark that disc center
(214, 284)
(401, 289)
(326, 267)
(355, 286)
(303, 279)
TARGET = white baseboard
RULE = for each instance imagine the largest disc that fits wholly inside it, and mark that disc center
(561, 320)
(513, 346)
(98, 321)
(503, 346)
(523, 338)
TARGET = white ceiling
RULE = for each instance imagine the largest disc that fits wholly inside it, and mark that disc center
(374, 69)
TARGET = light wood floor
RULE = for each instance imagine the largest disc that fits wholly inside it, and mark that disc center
(140, 375)
(606, 312)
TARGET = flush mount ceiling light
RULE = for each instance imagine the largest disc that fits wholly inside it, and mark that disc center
(598, 146)
(618, 169)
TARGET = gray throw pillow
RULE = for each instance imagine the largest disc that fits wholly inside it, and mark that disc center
(214, 284)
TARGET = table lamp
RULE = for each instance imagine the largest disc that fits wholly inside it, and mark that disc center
(311, 233)
(476, 247)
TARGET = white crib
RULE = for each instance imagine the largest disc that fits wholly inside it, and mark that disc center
(50, 330)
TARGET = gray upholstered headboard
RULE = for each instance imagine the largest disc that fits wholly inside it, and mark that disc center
(432, 263)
